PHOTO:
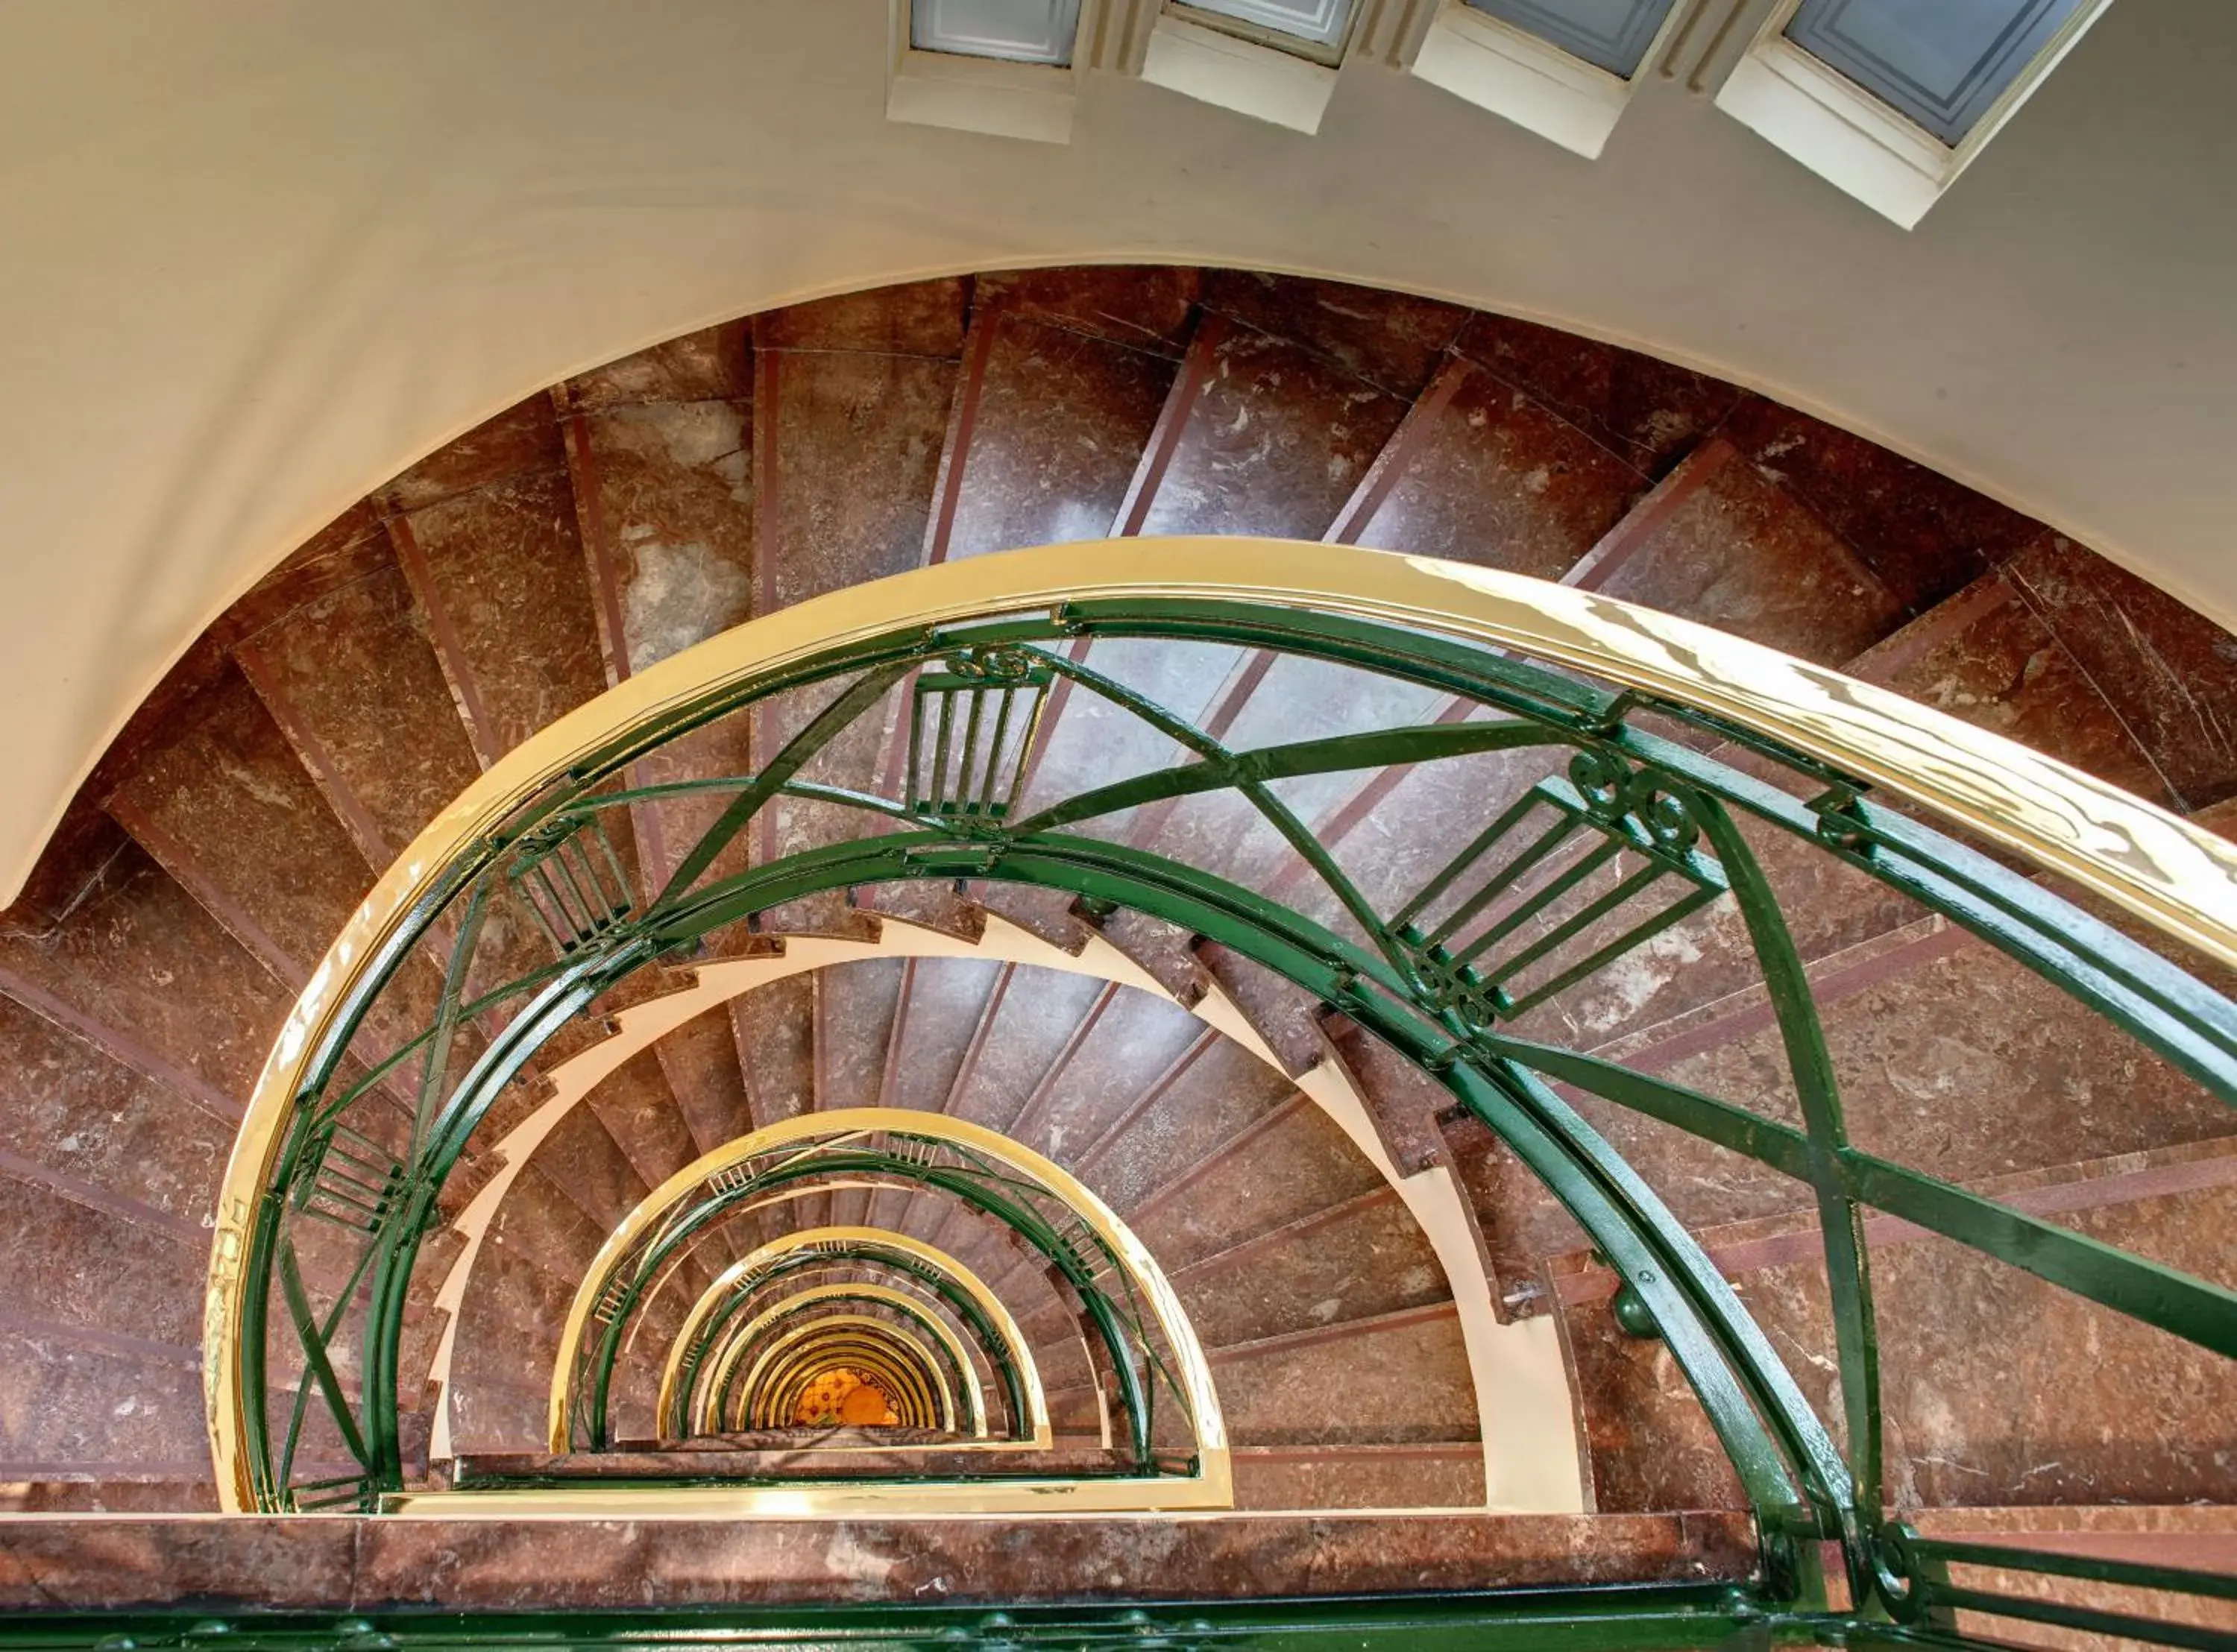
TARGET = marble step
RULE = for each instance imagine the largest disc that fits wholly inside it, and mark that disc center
(660, 460)
(1393, 1379)
(227, 808)
(355, 684)
(941, 1018)
(136, 1488)
(365, 1565)
(1284, 1014)
(120, 1114)
(99, 1337)
(1301, 1477)
(108, 970)
(857, 1009)
(1996, 1388)
(1063, 376)
(852, 398)
(1260, 433)
(867, 1459)
(1951, 1059)
(1476, 472)
(1356, 1258)
(486, 534)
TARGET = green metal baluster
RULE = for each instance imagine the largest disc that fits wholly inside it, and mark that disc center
(1848, 1270)
(821, 729)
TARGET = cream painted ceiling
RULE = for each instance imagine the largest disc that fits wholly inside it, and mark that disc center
(257, 256)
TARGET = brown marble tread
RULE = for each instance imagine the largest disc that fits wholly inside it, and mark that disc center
(366, 1563)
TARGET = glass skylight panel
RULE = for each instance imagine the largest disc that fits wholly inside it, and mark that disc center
(1022, 31)
(1611, 35)
(1318, 24)
(1941, 63)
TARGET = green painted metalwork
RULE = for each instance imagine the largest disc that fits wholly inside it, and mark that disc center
(1001, 1358)
(977, 774)
(1623, 1619)
(1074, 1251)
(1634, 823)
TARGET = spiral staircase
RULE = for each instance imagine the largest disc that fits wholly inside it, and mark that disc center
(1171, 1278)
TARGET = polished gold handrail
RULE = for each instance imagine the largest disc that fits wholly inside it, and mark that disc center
(2177, 877)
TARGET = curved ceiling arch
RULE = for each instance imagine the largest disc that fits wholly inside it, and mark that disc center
(253, 280)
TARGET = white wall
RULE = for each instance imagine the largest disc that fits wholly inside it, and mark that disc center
(257, 256)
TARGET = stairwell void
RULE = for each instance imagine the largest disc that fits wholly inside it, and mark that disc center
(1668, 1033)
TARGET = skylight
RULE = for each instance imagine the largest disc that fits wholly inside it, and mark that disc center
(1003, 68)
(1315, 27)
(1941, 64)
(1273, 60)
(1892, 99)
(1612, 35)
(1563, 69)
(1019, 31)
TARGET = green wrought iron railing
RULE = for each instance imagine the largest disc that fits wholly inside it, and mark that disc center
(761, 1282)
(1538, 1621)
(1079, 1247)
(1653, 765)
